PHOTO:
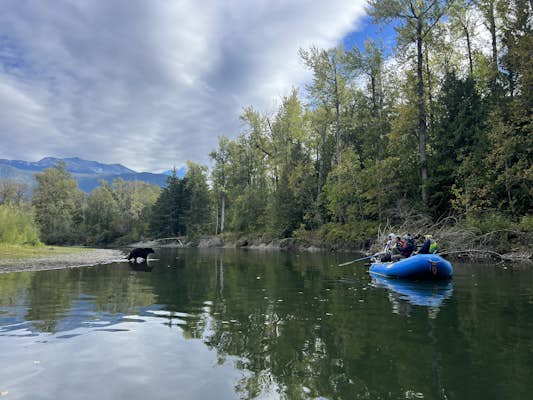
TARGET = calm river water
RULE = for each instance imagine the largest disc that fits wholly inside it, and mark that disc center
(267, 325)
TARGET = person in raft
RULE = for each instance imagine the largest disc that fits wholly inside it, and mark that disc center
(390, 243)
(410, 244)
(404, 247)
(397, 249)
(429, 246)
(389, 246)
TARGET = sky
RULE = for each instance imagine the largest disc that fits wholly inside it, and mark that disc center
(153, 83)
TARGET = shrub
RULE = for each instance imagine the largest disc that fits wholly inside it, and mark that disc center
(17, 225)
(353, 232)
(489, 222)
(526, 223)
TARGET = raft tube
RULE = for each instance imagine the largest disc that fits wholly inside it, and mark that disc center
(420, 266)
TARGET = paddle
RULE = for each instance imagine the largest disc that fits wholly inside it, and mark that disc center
(359, 259)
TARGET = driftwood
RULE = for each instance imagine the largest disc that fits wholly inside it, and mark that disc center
(493, 254)
(471, 252)
(500, 244)
(167, 240)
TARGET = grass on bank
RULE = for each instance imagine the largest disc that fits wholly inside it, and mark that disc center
(19, 235)
(17, 252)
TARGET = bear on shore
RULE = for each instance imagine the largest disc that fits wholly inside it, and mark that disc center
(140, 252)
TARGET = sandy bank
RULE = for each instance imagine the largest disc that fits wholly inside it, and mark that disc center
(58, 261)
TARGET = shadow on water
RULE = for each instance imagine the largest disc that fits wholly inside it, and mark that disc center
(255, 324)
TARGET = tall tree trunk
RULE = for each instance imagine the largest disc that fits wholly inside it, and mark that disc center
(222, 212)
(469, 48)
(430, 96)
(422, 128)
(337, 119)
(374, 100)
(216, 222)
(491, 25)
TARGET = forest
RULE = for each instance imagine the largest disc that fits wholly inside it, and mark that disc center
(435, 131)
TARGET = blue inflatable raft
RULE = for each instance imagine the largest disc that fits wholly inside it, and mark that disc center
(420, 266)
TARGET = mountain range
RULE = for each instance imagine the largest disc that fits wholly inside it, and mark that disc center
(87, 173)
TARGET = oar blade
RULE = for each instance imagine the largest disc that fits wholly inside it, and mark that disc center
(347, 263)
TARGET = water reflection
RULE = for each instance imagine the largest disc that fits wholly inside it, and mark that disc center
(404, 293)
(263, 325)
(146, 266)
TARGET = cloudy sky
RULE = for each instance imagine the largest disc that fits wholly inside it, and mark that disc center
(151, 83)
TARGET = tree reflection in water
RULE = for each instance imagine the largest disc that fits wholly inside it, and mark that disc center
(295, 326)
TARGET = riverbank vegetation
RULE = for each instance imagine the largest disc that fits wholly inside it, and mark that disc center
(432, 136)
(436, 138)
(17, 225)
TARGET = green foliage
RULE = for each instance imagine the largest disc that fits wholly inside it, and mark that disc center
(102, 209)
(353, 232)
(198, 212)
(446, 129)
(286, 209)
(342, 189)
(247, 212)
(119, 211)
(183, 207)
(17, 225)
(12, 192)
(112, 213)
(169, 211)
(58, 206)
(458, 137)
(526, 223)
(134, 200)
(485, 222)
(508, 164)
(381, 185)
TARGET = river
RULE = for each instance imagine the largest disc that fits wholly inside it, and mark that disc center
(232, 324)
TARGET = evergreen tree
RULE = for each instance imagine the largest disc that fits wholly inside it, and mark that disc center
(458, 136)
(168, 217)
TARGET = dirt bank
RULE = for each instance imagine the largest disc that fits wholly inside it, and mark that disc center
(58, 261)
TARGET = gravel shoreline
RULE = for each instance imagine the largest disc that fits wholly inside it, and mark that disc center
(59, 261)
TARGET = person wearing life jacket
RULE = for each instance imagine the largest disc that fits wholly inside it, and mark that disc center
(400, 250)
(409, 245)
(430, 246)
(389, 246)
(406, 245)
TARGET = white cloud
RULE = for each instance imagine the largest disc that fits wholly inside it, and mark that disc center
(149, 83)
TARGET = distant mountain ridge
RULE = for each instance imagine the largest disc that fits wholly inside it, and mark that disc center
(74, 165)
(87, 173)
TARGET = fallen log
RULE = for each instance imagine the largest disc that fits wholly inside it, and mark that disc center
(489, 253)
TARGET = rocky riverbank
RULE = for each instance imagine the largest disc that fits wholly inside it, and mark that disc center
(453, 242)
(46, 261)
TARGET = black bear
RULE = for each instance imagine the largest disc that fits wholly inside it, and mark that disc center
(141, 252)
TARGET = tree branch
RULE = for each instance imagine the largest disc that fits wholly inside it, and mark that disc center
(432, 25)
(413, 10)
